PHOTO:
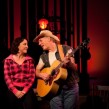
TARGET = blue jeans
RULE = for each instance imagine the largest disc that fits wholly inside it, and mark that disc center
(67, 99)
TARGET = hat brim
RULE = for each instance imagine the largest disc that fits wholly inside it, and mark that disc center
(37, 38)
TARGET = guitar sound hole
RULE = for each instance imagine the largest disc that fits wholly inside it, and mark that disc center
(53, 73)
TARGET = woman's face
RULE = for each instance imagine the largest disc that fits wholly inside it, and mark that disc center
(23, 47)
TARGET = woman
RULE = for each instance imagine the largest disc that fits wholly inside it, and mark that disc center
(19, 74)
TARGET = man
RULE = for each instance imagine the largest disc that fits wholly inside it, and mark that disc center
(67, 97)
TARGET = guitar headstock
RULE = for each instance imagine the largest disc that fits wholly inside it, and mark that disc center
(84, 43)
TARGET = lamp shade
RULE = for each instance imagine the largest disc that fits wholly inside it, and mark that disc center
(43, 23)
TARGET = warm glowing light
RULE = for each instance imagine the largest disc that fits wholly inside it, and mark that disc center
(43, 23)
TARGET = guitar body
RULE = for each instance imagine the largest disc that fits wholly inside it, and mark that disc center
(52, 85)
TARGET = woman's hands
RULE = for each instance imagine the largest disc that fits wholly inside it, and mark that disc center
(20, 94)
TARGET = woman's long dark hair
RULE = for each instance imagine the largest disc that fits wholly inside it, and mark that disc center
(14, 47)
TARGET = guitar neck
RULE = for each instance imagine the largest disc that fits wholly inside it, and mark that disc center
(62, 62)
(71, 52)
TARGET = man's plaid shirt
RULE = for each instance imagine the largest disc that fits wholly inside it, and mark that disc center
(19, 75)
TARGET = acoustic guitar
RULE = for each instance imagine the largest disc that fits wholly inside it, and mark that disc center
(57, 75)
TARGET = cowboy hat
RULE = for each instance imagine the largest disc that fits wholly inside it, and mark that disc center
(46, 33)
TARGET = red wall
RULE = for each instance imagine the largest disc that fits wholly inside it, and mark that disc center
(98, 31)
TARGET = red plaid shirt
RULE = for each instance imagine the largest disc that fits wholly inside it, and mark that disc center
(19, 75)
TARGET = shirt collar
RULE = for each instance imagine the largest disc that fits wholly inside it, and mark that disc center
(11, 57)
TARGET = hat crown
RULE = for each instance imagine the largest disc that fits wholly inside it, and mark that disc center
(46, 32)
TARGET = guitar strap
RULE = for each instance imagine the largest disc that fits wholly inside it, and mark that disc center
(61, 53)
